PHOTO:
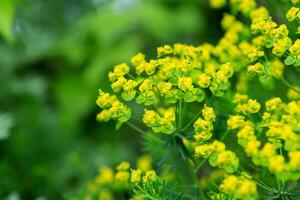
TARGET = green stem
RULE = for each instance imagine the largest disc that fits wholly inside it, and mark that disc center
(256, 182)
(289, 85)
(292, 186)
(200, 165)
(297, 68)
(135, 128)
(192, 121)
(225, 134)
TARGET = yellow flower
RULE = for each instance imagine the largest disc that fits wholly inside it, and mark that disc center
(281, 46)
(149, 117)
(123, 166)
(146, 86)
(185, 84)
(227, 21)
(240, 98)
(203, 136)
(138, 59)
(106, 175)
(221, 78)
(203, 150)
(293, 95)
(149, 176)
(252, 147)
(118, 84)
(218, 146)
(292, 13)
(202, 125)
(169, 114)
(122, 176)
(119, 70)
(276, 164)
(295, 48)
(129, 85)
(268, 150)
(235, 121)
(247, 190)
(294, 160)
(272, 104)
(135, 176)
(103, 116)
(259, 41)
(208, 113)
(105, 100)
(227, 69)
(217, 3)
(144, 163)
(277, 68)
(229, 184)
(253, 106)
(295, 1)
(164, 50)
(164, 87)
(204, 80)
(257, 68)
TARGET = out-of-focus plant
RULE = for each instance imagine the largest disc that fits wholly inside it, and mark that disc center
(192, 106)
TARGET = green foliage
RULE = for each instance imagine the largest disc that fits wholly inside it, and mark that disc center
(157, 190)
(7, 12)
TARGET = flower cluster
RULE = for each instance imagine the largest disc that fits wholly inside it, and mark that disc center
(204, 126)
(245, 105)
(183, 78)
(282, 122)
(112, 108)
(218, 155)
(109, 180)
(239, 188)
(161, 120)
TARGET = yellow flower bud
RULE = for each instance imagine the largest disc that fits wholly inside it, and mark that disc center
(144, 163)
(227, 21)
(135, 176)
(240, 98)
(292, 13)
(252, 147)
(253, 106)
(208, 113)
(235, 121)
(106, 175)
(149, 117)
(204, 80)
(123, 166)
(295, 48)
(257, 68)
(164, 50)
(202, 125)
(146, 86)
(138, 59)
(185, 84)
(150, 176)
(122, 176)
(217, 3)
(227, 69)
(164, 87)
(272, 104)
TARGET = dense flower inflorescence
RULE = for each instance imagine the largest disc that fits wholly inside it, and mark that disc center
(279, 123)
(183, 79)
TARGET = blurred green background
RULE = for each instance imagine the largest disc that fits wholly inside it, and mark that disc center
(54, 55)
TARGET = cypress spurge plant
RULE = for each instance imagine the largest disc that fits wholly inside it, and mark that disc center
(195, 99)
